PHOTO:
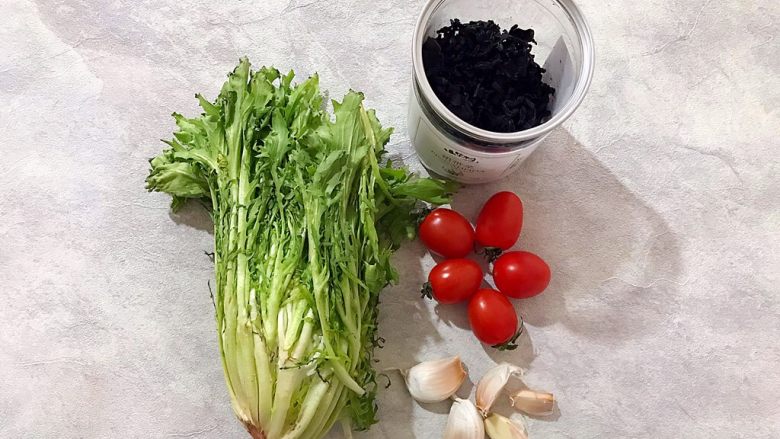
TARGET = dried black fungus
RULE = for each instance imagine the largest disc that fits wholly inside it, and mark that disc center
(487, 76)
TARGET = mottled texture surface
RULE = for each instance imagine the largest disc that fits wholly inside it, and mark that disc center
(657, 206)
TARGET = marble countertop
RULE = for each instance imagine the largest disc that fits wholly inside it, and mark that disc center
(657, 205)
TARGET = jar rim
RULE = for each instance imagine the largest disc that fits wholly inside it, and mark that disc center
(584, 78)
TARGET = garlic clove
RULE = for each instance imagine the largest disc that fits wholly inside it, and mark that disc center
(533, 403)
(464, 421)
(500, 427)
(491, 385)
(436, 380)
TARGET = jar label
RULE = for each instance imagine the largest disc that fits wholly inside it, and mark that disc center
(453, 160)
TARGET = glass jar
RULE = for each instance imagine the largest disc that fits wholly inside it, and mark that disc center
(452, 148)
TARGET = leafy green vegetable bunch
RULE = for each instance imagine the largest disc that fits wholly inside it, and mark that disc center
(306, 217)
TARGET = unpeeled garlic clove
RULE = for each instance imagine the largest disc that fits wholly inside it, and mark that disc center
(464, 421)
(533, 403)
(499, 427)
(436, 380)
(491, 385)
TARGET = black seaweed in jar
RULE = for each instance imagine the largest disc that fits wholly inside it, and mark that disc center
(487, 76)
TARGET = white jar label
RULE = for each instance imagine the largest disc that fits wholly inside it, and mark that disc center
(453, 160)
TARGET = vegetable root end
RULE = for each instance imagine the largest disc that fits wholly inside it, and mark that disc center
(254, 431)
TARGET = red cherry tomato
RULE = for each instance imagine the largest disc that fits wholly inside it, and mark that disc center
(492, 317)
(447, 233)
(521, 274)
(500, 221)
(453, 280)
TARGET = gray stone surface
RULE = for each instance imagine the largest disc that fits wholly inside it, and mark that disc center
(657, 206)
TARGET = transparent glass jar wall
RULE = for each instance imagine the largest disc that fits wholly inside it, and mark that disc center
(454, 149)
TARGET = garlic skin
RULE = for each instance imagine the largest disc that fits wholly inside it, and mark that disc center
(533, 403)
(494, 381)
(464, 421)
(500, 427)
(436, 380)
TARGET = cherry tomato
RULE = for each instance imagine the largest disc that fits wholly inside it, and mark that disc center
(492, 317)
(500, 221)
(453, 280)
(447, 233)
(521, 274)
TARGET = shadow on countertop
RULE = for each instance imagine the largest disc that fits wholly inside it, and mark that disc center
(404, 343)
(606, 248)
(194, 213)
